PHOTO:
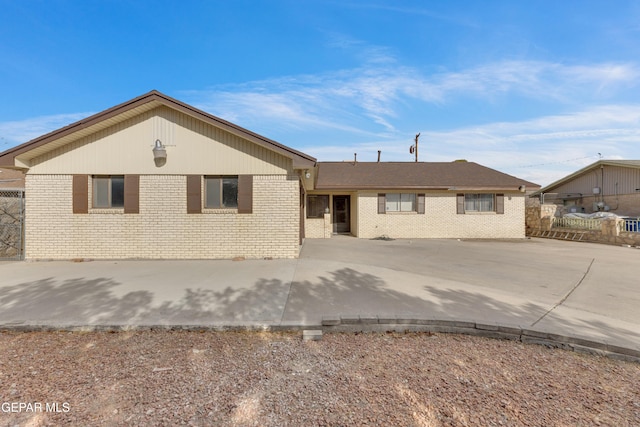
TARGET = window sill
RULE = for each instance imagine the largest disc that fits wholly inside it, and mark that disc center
(219, 211)
(479, 213)
(107, 211)
(401, 213)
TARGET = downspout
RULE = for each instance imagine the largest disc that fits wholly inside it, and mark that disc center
(617, 198)
(597, 185)
(602, 179)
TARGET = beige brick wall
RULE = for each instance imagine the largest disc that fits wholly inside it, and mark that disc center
(314, 228)
(162, 229)
(318, 228)
(441, 220)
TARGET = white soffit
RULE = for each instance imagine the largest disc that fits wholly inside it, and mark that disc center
(100, 125)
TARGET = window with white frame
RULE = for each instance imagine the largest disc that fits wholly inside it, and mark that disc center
(108, 191)
(221, 192)
(479, 203)
(400, 202)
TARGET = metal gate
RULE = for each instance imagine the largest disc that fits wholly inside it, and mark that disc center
(11, 224)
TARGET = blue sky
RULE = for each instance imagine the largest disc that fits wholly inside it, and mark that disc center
(535, 89)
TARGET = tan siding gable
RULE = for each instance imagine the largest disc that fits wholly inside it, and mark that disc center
(617, 180)
(193, 147)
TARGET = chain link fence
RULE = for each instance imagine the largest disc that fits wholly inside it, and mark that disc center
(11, 224)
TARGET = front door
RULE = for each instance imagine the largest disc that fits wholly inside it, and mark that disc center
(341, 221)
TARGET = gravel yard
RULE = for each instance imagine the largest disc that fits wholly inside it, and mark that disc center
(275, 379)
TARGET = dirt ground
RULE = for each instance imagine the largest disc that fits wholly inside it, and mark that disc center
(169, 378)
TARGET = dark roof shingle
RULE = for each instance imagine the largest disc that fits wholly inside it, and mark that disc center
(412, 175)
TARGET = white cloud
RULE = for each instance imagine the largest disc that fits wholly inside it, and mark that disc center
(371, 97)
(546, 148)
(335, 114)
(596, 122)
(360, 108)
(365, 52)
(534, 79)
(16, 132)
(459, 20)
(541, 150)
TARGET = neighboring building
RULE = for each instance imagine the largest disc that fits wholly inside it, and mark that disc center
(415, 200)
(606, 185)
(98, 189)
(11, 179)
(155, 178)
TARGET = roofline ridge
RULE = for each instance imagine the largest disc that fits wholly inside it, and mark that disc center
(150, 96)
(233, 125)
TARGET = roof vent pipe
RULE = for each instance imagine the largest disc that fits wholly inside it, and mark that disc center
(379, 156)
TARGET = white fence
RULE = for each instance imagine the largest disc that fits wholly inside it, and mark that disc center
(631, 225)
(577, 223)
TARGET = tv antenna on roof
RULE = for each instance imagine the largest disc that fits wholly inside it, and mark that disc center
(414, 148)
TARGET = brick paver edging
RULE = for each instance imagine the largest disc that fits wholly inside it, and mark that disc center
(368, 323)
(349, 323)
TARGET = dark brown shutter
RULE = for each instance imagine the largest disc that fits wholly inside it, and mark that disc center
(301, 225)
(382, 203)
(132, 194)
(245, 194)
(500, 203)
(80, 194)
(194, 197)
(460, 203)
(420, 203)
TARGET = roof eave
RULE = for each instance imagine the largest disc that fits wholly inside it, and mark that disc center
(579, 172)
(416, 187)
(303, 163)
(376, 187)
(9, 158)
(299, 158)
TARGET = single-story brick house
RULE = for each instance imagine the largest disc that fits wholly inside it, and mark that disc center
(156, 178)
(415, 200)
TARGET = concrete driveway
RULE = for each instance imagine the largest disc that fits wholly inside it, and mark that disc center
(571, 289)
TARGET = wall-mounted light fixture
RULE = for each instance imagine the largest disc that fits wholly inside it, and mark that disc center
(307, 174)
(159, 153)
